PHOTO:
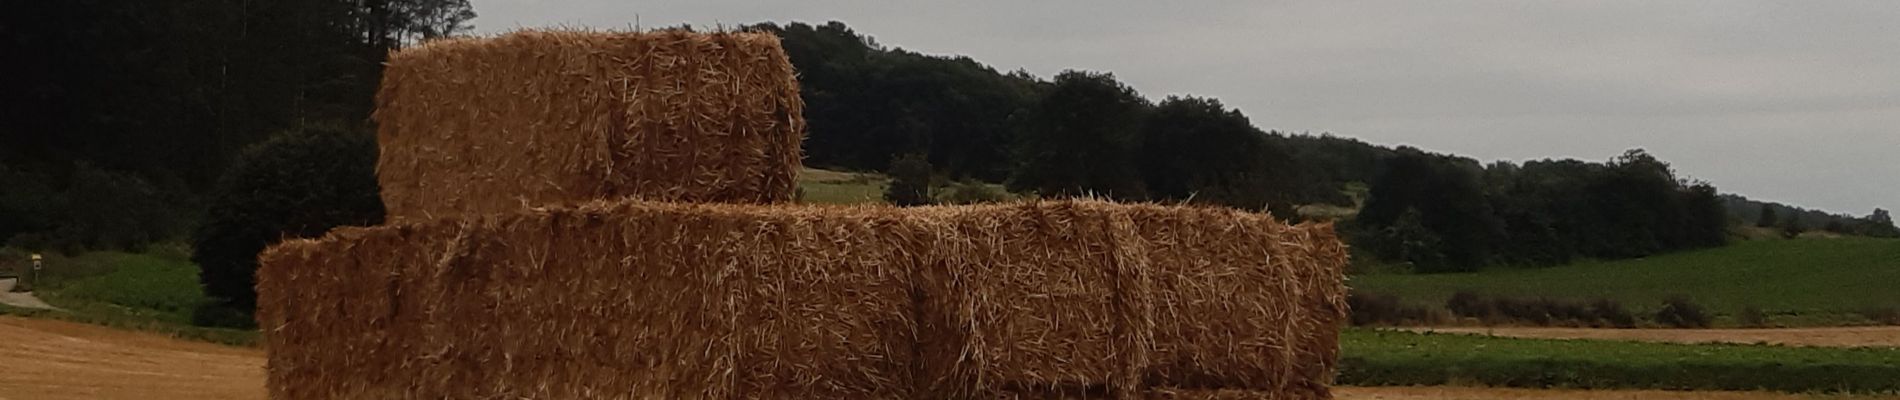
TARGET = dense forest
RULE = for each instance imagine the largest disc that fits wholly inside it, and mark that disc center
(120, 113)
(125, 122)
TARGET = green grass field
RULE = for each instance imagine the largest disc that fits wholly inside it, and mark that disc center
(1798, 282)
(833, 187)
(155, 291)
(1386, 358)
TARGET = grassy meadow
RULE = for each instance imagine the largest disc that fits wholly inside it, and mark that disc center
(833, 187)
(1796, 282)
(152, 291)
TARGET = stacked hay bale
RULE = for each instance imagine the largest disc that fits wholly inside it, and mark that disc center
(479, 126)
(1046, 299)
(633, 299)
(526, 258)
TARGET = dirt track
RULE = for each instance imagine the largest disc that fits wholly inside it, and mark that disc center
(47, 359)
(1871, 336)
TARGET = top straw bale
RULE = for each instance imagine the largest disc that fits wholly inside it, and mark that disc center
(495, 125)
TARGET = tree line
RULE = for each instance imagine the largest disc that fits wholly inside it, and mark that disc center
(123, 113)
(1083, 133)
(1791, 220)
(137, 117)
(134, 122)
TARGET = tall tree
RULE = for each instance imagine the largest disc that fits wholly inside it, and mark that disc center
(867, 104)
(1768, 218)
(168, 92)
(299, 184)
(1080, 139)
(1196, 148)
(1447, 195)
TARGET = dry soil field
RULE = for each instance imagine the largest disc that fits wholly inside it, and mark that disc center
(47, 359)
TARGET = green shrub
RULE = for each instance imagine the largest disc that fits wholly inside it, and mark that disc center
(972, 192)
(111, 210)
(910, 181)
(28, 204)
(296, 185)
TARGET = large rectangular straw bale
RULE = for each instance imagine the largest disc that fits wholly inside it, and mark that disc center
(486, 125)
(628, 300)
(1241, 300)
(1044, 300)
(1065, 299)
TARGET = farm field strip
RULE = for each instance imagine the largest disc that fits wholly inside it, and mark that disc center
(1786, 279)
(1397, 358)
(1859, 336)
(49, 359)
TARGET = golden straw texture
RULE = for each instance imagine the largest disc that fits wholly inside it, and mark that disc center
(490, 125)
(637, 299)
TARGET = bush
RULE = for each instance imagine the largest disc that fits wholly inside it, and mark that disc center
(1534, 312)
(1542, 312)
(971, 192)
(1751, 316)
(1375, 309)
(1469, 304)
(910, 181)
(1679, 312)
(1883, 315)
(295, 185)
(1612, 313)
(98, 209)
(28, 203)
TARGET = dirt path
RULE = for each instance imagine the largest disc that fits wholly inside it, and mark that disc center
(1462, 393)
(48, 359)
(1868, 336)
(8, 297)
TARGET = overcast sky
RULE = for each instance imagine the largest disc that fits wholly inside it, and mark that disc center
(1792, 101)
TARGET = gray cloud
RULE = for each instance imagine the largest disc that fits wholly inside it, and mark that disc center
(1796, 102)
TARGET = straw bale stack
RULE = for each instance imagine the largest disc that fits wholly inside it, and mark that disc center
(1068, 299)
(489, 125)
